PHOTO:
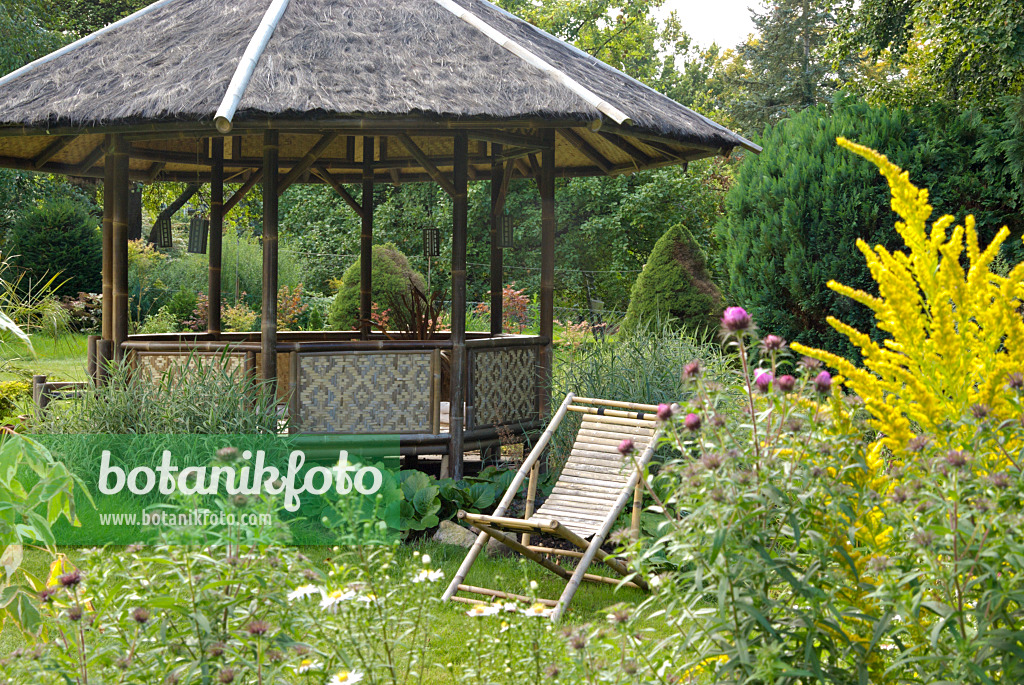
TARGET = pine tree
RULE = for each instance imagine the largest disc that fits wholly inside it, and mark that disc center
(786, 67)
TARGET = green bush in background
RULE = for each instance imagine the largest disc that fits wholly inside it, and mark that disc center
(59, 235)
(675, 286)
(796, 210)
(392, 279)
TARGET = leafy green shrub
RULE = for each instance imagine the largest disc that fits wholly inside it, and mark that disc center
(163, 321)
(14, 397)
(59, 236)
(392, 278)
(674, 286)
(181, 305)
(417, 510)
(796, 210)
(239, 317)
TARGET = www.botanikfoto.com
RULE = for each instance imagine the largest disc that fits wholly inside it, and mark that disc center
(194, 518)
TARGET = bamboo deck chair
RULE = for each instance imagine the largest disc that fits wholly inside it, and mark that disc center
(594, 487)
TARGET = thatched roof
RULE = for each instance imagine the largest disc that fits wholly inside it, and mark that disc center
(415, 66)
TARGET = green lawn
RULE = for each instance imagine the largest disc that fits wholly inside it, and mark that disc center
(61, 359)
(451, 626)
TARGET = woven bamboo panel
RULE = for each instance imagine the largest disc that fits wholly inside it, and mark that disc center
(156, 364)
(504, 386)
(365, 392)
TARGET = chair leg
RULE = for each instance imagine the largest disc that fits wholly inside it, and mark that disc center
(577, 577)
(467, 563)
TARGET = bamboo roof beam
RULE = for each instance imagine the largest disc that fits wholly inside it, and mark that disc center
(52, 150)
(588, 150)
(154, 171)
(247, 65)
(427, 165)
(327, 178)
(307, 161)
(504, 138)
(557, 75)
(632, 150)
(98, 153)
(239, 194)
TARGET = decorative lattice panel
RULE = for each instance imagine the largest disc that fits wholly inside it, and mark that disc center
(504, 386)
(365, 392)
(156, 364)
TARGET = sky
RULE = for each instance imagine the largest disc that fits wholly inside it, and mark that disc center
(726, 22)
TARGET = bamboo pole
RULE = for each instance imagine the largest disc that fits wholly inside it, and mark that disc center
(306, 162)
(638, 505)
(327, 178)
(497, 266)
(429, 166)
(268, 338)
(247, 65)
(118, 159)
(52, 150)
(531, 498)
(108, 251)
(617, 403)
(366, 242)
(460, 227)
(240, 194)
(526, 552)
(498, 593)
(510, 495)
(588, 150)
(547, 268)
(216, 235)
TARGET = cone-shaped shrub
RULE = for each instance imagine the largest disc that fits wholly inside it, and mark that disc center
(674, 285)
(391, 279)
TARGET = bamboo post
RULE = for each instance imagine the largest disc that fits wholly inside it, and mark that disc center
(531, 498)
(366, 243)
(602, 535)
(510, 495)
(216, 234)
(268, 337)
(497, 202)
(118, 159)
(90, 357)
(638, 505)
(547, 267)
(107, 332)
(104, 353)
(460, 221)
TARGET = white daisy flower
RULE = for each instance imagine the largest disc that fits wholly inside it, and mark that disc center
(307, 665)
(304, 591)
(539, 609)
(425, 559)
(333, 599)
(368, 598)
(345, 678)
(483, 610)
(510, 607)
(426, 575)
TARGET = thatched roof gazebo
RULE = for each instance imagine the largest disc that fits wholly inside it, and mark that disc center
(344, 91)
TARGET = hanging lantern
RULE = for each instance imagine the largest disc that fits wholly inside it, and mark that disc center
(198, 229)
(506, 231)
(431, 242)
(164, 239)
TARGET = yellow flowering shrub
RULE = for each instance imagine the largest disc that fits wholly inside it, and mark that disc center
(954, 329)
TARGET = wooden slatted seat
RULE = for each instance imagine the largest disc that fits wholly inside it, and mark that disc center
(593, 488)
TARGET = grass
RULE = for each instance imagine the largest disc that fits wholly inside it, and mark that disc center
(59, 359)
(451, 626)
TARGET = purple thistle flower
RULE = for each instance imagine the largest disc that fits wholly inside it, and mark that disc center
(823, 383)
(664, 412)
(692, 422)
(764, 381)
(71, 579)
(785, 383)
(626, 447)
(736, 319)
(691, 370)
(772, 343)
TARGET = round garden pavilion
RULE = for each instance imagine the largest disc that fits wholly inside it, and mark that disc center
(338, 92)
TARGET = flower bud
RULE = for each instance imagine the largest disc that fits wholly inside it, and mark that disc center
(691, 370)
(736, 319)
(785, 383)
(692, 422)
(772, 343)
(626, 447)
(764, 381)
(823, 383)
